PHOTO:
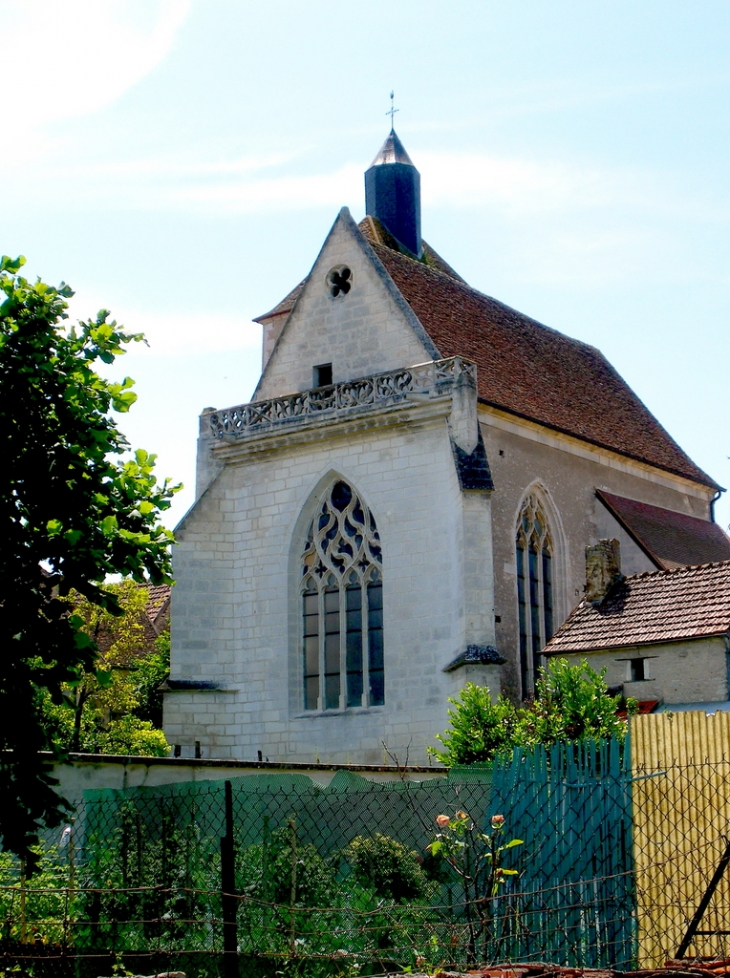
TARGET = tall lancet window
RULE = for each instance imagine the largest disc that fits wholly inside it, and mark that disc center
(342, 605)
(534, 588)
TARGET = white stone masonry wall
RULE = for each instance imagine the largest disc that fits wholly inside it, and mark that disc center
(236, 607)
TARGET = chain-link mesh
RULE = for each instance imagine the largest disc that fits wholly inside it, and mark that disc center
(266, 873)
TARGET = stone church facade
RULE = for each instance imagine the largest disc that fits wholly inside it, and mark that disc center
(405, 504)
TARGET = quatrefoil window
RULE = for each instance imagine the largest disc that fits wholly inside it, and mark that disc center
(339, 281)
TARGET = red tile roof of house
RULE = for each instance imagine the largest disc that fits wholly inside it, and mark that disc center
(158, 606)
(661, 606)
(523, 367)
(670, 539)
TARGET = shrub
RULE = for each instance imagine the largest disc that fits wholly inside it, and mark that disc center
(572, 702)
(479, 728)
(387, 867)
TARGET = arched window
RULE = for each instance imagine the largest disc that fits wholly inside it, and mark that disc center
(342, 605)
(534, 588)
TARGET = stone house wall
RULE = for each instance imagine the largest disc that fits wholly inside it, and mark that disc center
(694, 671)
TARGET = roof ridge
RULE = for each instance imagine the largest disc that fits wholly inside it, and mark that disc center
(684, 569)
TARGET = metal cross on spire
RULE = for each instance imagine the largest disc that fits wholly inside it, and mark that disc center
(392, 110)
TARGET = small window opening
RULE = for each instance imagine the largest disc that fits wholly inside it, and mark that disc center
(322, 375)
(638, 670)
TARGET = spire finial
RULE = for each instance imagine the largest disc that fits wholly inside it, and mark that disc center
(392, 110)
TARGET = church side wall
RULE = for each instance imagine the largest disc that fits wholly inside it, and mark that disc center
(569, 480)
(236, 608)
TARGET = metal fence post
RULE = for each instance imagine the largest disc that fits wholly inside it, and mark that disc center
(228, 886)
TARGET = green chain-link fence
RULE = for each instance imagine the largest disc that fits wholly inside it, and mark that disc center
(265, 873)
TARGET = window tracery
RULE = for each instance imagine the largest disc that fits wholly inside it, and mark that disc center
(535, 553)
(342, 605)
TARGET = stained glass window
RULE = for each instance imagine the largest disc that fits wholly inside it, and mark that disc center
(534, 588)
(342, 605)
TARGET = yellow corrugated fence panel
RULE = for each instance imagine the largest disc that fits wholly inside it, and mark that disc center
(681, 804)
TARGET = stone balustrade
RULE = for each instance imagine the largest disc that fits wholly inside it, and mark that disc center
(425, 380)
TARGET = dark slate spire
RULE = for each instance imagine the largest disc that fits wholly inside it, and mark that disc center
(393, 193)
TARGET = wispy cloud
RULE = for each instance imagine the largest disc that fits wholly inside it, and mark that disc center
(71, 58)
(273, 182)
(170, 334)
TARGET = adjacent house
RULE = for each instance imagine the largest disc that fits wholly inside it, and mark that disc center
(663, 636)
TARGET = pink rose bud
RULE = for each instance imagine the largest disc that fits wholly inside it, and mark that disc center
(497, 820)
(462, 816)
(442, 821)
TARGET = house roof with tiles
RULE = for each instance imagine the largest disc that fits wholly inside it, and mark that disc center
(647, 609)
(669, 539)
(158, 606)
(523, 367)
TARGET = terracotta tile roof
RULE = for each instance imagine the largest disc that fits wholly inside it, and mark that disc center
(661, 606)
(670, 539)
(534, 371)
(377, 233)
(522, 366)
(286, 304)
(158, 606)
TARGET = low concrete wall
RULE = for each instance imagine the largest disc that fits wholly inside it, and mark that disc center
(86, 771)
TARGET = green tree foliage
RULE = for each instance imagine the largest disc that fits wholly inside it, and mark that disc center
(113, 709)
(479, 728)
(152, 671)
(75, 508)
(571, 703)
(285, 871)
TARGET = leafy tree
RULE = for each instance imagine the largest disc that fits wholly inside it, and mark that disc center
(571, 703)
(152, 671)
(110, 711)
(72, 513)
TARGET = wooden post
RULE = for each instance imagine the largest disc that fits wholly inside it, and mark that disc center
(228, 887)
(704, 902)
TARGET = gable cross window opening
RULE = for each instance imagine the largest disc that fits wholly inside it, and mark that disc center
(339, 281)
(534, 588)
(342, 605)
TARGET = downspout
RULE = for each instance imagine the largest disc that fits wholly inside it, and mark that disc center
(712, 504)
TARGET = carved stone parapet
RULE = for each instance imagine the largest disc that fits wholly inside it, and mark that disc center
(422, 382)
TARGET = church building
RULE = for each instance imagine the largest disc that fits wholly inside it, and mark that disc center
(404, 505)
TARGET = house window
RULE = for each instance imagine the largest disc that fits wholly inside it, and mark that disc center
(534, 588)
(637, 670)
(342, 605)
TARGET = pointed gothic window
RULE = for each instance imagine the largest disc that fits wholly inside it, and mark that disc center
(534, 588)
(342, 605)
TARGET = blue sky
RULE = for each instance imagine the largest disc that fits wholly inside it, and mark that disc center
(180, 162)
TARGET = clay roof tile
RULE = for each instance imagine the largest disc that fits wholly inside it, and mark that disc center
(659, 606)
